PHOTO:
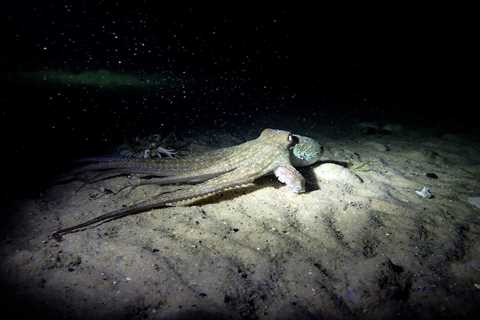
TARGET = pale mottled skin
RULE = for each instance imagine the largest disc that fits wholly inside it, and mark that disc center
(218, 171)
(306, 152)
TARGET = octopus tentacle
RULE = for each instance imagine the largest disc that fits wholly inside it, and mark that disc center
(211, 187)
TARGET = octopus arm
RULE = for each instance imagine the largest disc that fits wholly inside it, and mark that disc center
(234, 179)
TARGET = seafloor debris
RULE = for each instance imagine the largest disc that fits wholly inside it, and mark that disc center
(425, 193)
(474, 201)
(149, 147)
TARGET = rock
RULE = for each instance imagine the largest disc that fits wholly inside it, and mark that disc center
(393, 127)
(368, 128)
(377, 146)
(371, 128)
(451, 137)
(335, 172)
(370, 125)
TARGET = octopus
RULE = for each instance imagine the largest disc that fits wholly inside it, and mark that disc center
(210, 173)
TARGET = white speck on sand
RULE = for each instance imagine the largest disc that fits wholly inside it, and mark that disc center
(474, 201)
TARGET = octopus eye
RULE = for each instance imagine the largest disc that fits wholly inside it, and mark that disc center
(292, 139)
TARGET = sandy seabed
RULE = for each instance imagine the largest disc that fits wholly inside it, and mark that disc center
(361, 243)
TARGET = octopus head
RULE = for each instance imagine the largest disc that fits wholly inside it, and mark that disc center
(275, 136)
